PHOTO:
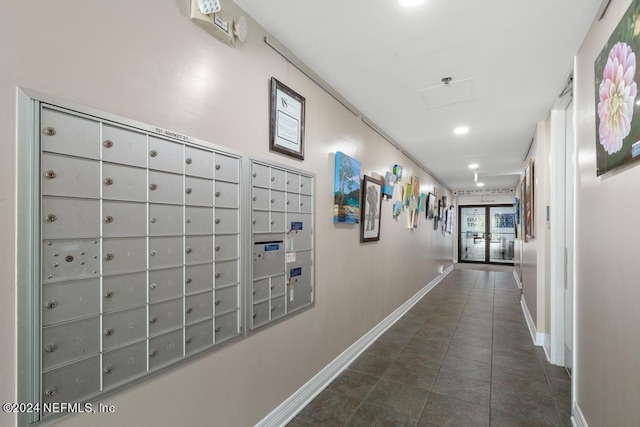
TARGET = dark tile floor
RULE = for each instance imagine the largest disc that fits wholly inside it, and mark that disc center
(462, 356)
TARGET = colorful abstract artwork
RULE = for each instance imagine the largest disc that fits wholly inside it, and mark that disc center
(389, 185)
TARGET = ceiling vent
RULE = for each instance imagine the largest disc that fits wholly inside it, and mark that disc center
(449, 93)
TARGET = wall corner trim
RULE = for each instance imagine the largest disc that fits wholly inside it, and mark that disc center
(537, 338)
(518, 282)
(577, 417)
(288, 409)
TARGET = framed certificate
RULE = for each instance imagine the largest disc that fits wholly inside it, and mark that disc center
(286, 127)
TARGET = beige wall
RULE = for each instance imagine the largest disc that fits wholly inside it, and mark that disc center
(530, 246)
(146, 61)
(607, 369)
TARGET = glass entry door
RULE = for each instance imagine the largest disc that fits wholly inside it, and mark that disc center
(487, 234)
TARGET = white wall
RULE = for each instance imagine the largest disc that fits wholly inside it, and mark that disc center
(146, 61)
(607, 369)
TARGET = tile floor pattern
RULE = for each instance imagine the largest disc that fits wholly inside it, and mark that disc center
(462, 356)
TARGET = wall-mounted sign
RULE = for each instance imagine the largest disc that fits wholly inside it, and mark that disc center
(286, 127)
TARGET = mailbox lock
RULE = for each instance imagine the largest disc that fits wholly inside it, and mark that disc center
(217, 248)
(153, 253)
(109, 332)
(153, 353)
(217, 194)
(187, 340)
(217, 167)
(273, 178)
(217, 275)
(272, 222)
(217, 302)
(288, 202)
(50, 348)
(49, 131)
(188, 250)
(108, 219)
(188, 280)
(153, 186)
(189, 310)
(153, 153)
(255, 174)
(153, 286)
(217, 220)
(51, 304)
(273, 309)
(50, 174)
(108, 256)
(51, 217)
(108, 143)
(108, 294)
(273, 200)
(217, 329)
(51, 391)
(68, 258)
(154, 220)
(188, 161)
(108, 370)
(254, 222)
(188, 191)
(108, 181)
(255, 315)
(254, 198)
(188, 220)
(153, 319)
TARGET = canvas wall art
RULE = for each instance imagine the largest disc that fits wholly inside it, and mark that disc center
(431, 205)
(397, 171)
(616, 95)
(397, 209)
(389, 185)
(372, 208)
(346, 192)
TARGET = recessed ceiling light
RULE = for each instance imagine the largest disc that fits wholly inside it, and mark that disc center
(411, 3)
(473, 166)
(461, 130)
(480, 184)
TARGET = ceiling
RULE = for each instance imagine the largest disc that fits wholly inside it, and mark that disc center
(508, 61)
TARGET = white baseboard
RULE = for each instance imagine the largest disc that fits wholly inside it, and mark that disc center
(288, 409)
(546, 345)
(518, 282)
(537, 338)
(577, 417)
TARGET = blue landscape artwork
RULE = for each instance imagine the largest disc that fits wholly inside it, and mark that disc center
(346, 193)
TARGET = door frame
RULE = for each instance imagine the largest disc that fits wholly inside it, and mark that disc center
(487, 227)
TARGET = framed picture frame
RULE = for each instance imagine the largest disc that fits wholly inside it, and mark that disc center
(371, 209)
(529, 200)
(286, 124)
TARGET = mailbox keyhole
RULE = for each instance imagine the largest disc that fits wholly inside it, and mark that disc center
(68, 258)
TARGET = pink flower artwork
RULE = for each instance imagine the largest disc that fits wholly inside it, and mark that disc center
(618, 91)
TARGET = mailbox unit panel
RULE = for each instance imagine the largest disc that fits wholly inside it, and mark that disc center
(282, 217)
(140, 257)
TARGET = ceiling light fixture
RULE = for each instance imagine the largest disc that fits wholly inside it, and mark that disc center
(480, 184)
(461, 130)
(473, 166)
(411, 3)
(475, 176)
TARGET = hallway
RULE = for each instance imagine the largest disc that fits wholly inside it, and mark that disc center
(462, 356)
